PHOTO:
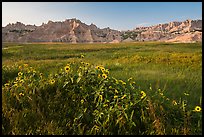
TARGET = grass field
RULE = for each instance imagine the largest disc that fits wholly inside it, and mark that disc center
(173, 68)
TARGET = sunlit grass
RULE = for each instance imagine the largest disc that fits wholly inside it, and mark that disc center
(173, 68)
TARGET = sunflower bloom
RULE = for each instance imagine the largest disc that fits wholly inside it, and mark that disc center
(106, 71)
(6, 85)
(115, 97)
(25, 65)
(197, 109)
(143, 94)
(186, 94)
(66, 68)
(99, 75)
(161, 94)
(130, 79)
(41, 74)
(97, 67)
(105, 105)
(80, 67)
(20, 73)
(102, 68)
(17, 78)
(101, 97)
(174, 102)
(83, 63)
(104, 76)
(123, 83)
(19, 67)
(116, 91)
(21, 94)
(82, 56)
(52, 81)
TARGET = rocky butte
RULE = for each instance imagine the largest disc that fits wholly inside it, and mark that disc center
(75, 31)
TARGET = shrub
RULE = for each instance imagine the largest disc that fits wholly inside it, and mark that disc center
(86, 99)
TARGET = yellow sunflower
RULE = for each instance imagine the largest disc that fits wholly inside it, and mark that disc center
(174, 102)
(130, 79)
(143, 94)
(17, 78)
(116, 91)
(6, 85)
(83, 63)
(104, 76)
(82, 56)
(52, 81)
(97, 67)
(21, 94)
(186, 94)
(19, 67)
(20, 73)
(115, 97)
(66, 68)
(21, 81)
(105, 105)
(99, 75)
(123, 83)
(25, 65)
(102, 68)
(101, 97)
(82, 101)
(197, 109)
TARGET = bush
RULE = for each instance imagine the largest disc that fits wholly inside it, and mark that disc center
(83, 99)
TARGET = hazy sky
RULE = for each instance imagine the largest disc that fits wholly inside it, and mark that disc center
(116, 15)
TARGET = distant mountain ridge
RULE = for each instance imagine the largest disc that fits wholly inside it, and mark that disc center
(75, 31)
(186, 31)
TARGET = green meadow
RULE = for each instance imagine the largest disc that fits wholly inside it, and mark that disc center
(172, 70)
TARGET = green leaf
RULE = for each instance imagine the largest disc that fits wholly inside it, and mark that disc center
(131, 115)
(80, 115)
(78, 79)
(72, 80)
(65, 84)
(134, 124)
(125, 115)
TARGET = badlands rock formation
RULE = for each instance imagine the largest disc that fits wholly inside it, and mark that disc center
(74, 31)
(187, 31)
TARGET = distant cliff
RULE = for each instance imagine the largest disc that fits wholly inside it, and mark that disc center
(74, 31)
(186, 31)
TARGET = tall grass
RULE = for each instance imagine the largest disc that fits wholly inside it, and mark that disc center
(169, 74)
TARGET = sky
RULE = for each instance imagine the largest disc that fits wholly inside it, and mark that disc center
(116, 15)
